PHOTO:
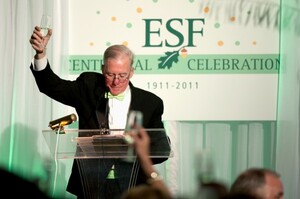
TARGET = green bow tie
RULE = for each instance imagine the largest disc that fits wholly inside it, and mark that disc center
(118, 97)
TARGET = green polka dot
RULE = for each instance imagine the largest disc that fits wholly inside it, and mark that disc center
(237, 43)
(129, 25)
(108, 43)
(98, 12)
(191, 1)
(217, 25)
(155, 1)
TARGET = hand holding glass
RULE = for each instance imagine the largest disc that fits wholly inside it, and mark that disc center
(45, 24)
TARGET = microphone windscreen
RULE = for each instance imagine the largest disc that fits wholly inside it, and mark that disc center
(62, 121)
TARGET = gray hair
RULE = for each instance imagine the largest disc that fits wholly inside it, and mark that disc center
(251, 180)
(117, 51)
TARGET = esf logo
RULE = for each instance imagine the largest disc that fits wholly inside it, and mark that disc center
(185, 31)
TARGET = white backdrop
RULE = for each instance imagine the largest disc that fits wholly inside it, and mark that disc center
(229, 72)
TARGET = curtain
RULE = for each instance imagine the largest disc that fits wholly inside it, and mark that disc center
(24, 111)
(287, 158)
(220, 149)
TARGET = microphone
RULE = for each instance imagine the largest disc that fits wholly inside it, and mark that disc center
(55, 124)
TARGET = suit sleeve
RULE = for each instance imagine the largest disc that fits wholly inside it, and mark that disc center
(64, 91)
(160, 142)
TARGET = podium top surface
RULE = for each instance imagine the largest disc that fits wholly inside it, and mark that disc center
(92, 143)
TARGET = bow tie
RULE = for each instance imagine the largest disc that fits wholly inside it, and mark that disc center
(118, 97)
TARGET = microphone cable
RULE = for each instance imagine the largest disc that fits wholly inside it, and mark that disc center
(55, 159)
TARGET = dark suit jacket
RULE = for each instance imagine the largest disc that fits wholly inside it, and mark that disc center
(86, 95)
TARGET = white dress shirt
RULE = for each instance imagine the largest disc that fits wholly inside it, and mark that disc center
(118, 111)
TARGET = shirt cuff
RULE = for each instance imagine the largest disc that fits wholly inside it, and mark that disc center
(40, 64)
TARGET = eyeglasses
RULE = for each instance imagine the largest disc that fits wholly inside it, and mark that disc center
(122, 77)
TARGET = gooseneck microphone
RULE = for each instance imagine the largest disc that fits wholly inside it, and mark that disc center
(58, 123)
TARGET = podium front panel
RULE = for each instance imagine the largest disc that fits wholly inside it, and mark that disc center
(96, 154)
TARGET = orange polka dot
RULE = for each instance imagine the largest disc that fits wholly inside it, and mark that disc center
(232, 18)
(91, 43)
(125, 43)
(139, 10)
(113, 18)
(254, 43)
(220, 43)
(206, 9)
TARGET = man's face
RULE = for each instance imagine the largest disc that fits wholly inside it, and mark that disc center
(117, 73)
(273, 188)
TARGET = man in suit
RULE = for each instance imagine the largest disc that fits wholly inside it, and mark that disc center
(102, 101)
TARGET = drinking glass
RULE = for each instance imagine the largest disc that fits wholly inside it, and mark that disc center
(45, 24)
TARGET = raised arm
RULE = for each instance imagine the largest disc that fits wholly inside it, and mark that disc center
(39, 43)
(141, 142)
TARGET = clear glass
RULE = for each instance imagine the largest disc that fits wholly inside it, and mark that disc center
(46, 22)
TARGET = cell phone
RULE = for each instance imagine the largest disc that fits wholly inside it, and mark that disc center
(134, 123)
(134, 120)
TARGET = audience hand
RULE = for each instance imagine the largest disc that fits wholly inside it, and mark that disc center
(141, 142)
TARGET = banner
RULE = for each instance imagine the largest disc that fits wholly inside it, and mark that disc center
(208, 60)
